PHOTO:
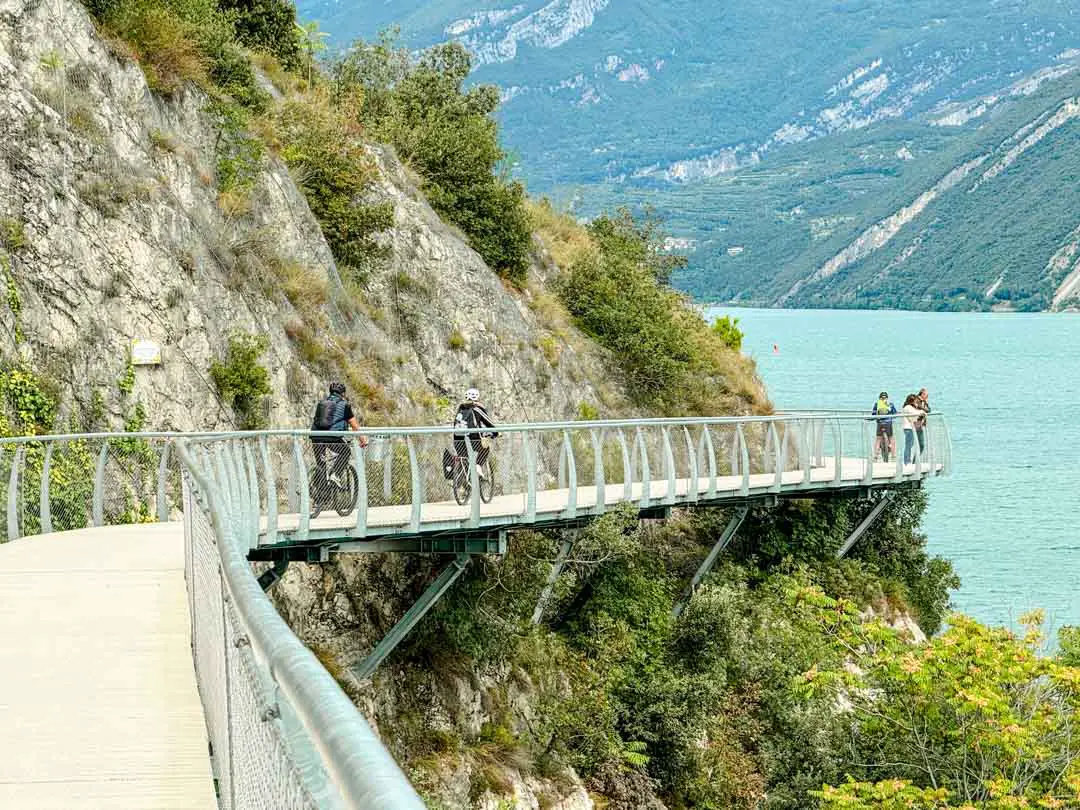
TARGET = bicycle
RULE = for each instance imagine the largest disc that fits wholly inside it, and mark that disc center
(337, 490)
(883, 445)
(457, 470)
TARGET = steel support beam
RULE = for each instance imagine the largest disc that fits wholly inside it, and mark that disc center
(269, 578)
(412, 616)
(710, 559)
(868, 521)
(553, 576)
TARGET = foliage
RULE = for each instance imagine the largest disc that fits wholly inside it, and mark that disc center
(447, 133)
(241, 381)
(239, 153)
(710, 710)
(727, 329)
(266, 25)
(181, 41)
(671, 360)
(12, 234)
(323, 147)
(29, 403)
(456, 341)
(976, 715)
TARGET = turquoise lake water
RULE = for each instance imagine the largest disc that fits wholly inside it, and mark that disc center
(1009, 517)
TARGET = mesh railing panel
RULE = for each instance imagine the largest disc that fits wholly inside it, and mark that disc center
(252, 762)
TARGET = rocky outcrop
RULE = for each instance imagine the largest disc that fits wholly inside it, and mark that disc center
(113, 229)
(115, 232)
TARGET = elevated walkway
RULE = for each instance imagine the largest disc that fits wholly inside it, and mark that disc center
(98, 701)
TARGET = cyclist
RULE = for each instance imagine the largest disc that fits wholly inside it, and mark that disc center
(884, 434)
(334, 413)
(472, 417)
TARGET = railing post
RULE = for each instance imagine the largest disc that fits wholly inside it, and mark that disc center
(474, 484)
(572, 482)
(99, 484)
(13, 495)
(869, 430)
(744, 461)
(304, 506)
(562, 466)
(254, 502)
(628, 467)
(646, 475)
(806, 449)
(770, 443)
(780, 455)
(692, 485)
(162, 478)
(417, 493)
(387, 470)
(706, 451)
(270, 482)
(45, 506)
(359, 460)
(669, 465)
(530, 475)
(597, 437)
(838, 450)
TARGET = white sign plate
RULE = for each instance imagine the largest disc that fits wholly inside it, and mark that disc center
(145, 353)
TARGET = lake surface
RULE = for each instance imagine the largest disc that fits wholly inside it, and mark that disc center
(1009, 517)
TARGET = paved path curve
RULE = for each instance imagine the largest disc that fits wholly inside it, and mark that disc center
(98, 702)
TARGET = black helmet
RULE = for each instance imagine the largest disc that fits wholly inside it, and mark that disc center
(883, 395)
(337, 388)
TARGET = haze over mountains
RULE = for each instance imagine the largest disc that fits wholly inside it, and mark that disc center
(852, 153)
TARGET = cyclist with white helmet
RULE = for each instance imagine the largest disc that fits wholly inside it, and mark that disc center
(470, 420)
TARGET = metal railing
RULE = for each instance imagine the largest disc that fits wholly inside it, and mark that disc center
(284, 735)
(540, 471)
(561, 471)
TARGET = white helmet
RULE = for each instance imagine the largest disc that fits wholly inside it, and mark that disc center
(472, 395)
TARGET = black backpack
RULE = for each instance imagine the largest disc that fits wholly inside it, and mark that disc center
(327, 414)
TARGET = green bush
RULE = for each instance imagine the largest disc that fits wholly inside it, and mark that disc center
(446, 133)
(672, 362)
(266, 25)
(241, 381)
(181, 41)
(727, 329)
(327, 155)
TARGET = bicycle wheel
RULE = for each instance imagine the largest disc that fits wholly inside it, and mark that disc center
(487, 482)
(346, 496)
(462, 489)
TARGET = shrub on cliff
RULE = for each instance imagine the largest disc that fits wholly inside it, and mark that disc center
(672, 361)
(448, 135)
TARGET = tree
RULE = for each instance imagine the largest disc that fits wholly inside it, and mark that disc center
(974, 717)
(312, 42)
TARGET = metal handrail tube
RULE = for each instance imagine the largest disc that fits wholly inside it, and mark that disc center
(390, 431)
(361, 768)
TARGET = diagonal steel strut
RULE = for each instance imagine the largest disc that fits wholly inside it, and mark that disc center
(413, 615)
(710, 560)
(868, 521)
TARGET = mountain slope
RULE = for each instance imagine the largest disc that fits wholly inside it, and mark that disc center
(773, 136)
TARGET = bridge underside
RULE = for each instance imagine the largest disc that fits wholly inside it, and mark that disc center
(491, 537)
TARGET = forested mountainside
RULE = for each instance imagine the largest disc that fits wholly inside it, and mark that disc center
(182, 170)
(773, 136)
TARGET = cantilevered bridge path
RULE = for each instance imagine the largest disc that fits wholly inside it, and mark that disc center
(143, 665)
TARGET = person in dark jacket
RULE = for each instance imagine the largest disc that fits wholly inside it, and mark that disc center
(334, 413)
(470, 421)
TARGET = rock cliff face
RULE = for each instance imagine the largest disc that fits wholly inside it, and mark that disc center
(113, 231)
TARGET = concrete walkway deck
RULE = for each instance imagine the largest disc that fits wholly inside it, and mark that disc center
(98, 703)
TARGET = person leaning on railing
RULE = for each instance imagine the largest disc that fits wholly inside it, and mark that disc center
(923, 404)
(912, 413)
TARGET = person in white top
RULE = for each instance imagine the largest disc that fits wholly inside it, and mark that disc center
(911, 414)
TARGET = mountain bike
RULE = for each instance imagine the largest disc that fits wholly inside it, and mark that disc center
(457, 470)
(338, 490)
(883, 445)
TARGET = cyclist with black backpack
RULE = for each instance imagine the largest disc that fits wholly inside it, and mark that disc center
(472, 417)
(334, 413)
